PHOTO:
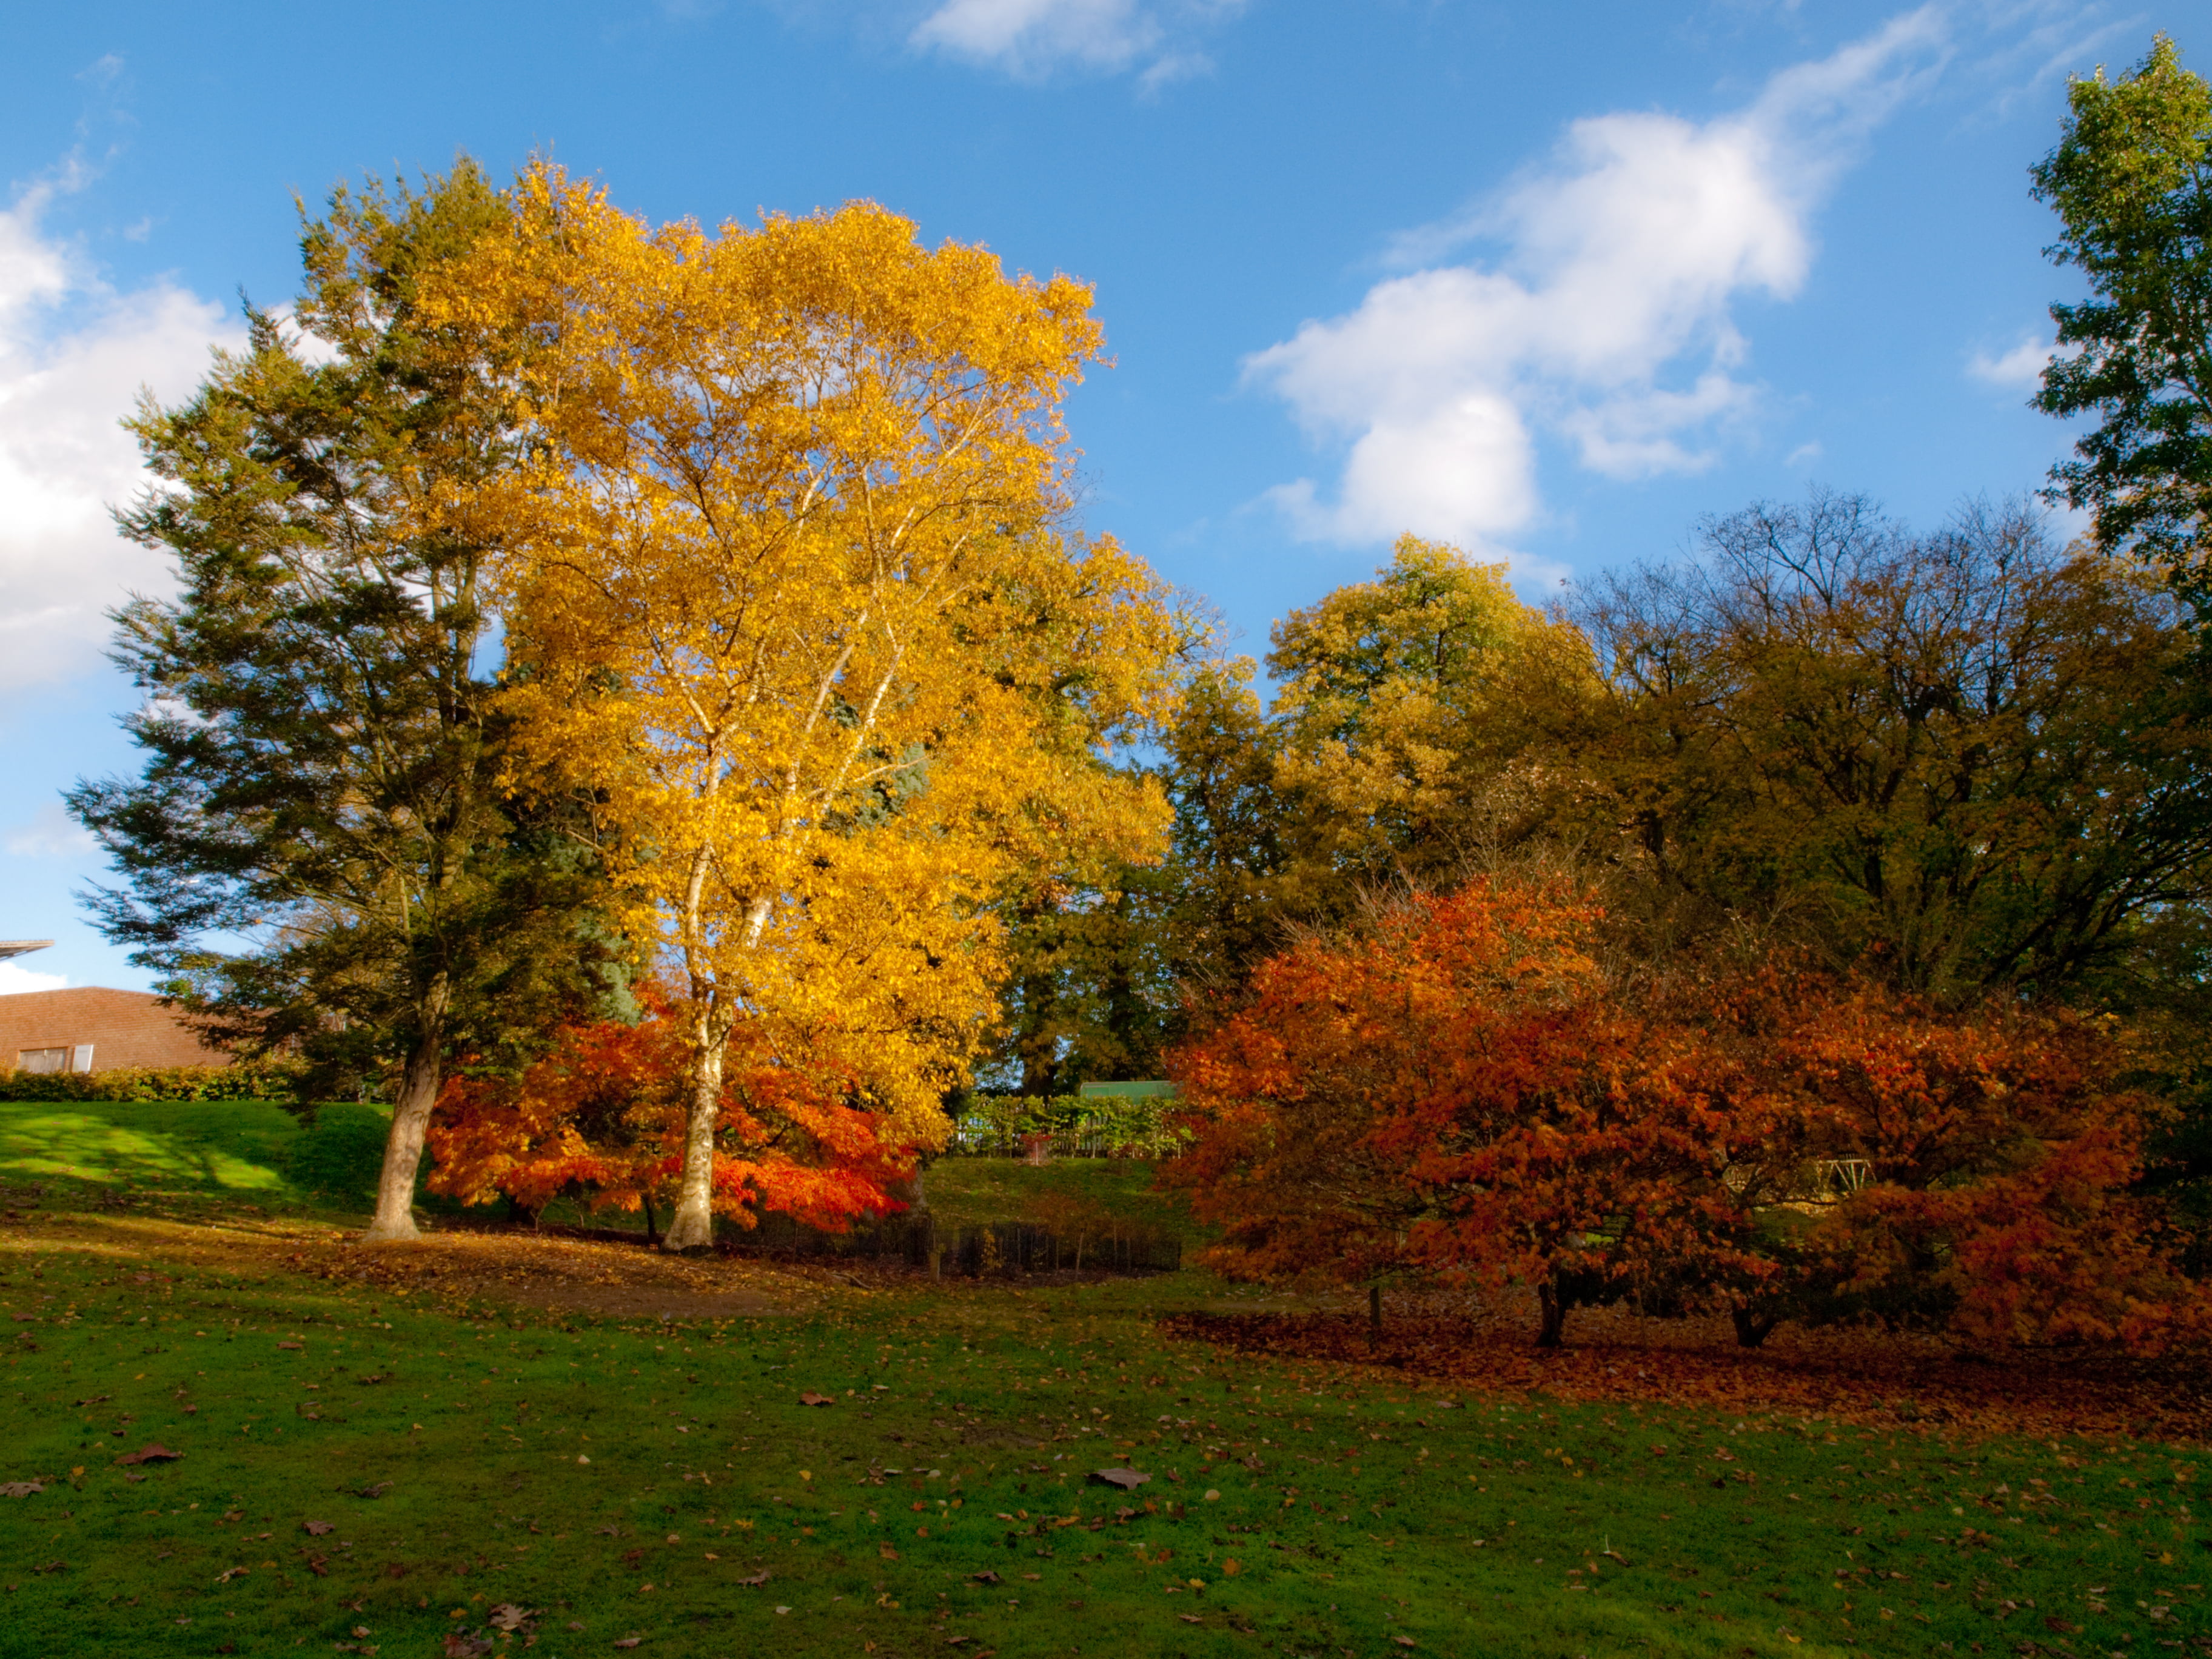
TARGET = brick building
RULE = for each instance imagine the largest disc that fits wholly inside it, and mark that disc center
(93, 1029)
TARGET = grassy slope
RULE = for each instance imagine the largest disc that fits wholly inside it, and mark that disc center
(187, 1151)
(1351, 1506)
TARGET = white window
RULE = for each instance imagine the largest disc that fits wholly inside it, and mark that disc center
(81, 1057)
(44, 1060)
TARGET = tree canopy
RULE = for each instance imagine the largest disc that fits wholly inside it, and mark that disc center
(319, 853)
(2131, 182)
(799, 618)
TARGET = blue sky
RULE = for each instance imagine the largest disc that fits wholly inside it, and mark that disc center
(1549, 282)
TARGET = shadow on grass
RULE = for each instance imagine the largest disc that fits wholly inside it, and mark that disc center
(247, 1148)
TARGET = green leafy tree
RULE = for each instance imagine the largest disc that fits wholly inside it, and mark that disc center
(2131, 182)
(317, 855)
(1960, 760)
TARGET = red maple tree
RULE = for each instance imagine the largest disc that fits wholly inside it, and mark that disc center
(600, 1117)
(1461, 1090)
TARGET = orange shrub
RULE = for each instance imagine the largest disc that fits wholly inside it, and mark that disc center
(1460, 1089)
(601, 1116)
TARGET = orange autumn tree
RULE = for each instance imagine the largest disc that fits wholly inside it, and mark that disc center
(1991, 1160)
(1460, 1089)
(601, 1118)
(1455, 1090)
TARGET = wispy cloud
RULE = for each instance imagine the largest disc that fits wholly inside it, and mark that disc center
(75, 352)
(2019, 369)
(1033, 39)
(51, 833)
(1605, 320)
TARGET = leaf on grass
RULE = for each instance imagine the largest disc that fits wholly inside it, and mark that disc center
(628, 1641)
(1126, 1480)
(1404, 1641)
(810, 1398)
(22, 1489)
(509, 1616)
(297, 1347)
(756, 1580)
(317, 1529)
(886, 1552)
(1190, 1619)
(376, 1491)
(229, 1573)
(156, 1453)
(986, 1576)
(461, 1646)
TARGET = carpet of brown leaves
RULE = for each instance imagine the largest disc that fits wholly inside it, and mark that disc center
(544, 1274)
(1854, 1376)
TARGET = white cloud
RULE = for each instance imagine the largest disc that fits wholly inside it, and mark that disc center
(1607, 320)
(13, 978)
(74, 355)
(2019, 369)
(1029, 38)
(51, 833)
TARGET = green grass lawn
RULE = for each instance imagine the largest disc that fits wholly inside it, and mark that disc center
(619, 1481)
(161, 1152)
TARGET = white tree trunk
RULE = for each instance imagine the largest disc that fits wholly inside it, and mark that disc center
(692, 1226)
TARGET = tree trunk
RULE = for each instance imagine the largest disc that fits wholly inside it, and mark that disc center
(692, 1226)
(1553, 1307)
(411, 1124)
(1752, 1329)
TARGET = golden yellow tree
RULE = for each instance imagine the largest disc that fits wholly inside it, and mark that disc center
(793, 601)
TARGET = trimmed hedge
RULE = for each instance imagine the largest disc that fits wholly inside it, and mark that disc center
(245, 1081)
(1080, 1126)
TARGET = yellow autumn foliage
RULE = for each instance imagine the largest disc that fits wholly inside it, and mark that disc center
(1408, 710)
(793, 601)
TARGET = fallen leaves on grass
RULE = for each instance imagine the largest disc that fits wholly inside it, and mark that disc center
(20, 1488)
(810, 1398)
(1879, 1378)
(756, 1580)
(316, 1528)
(461, 1646)
(1126, 1480)
(156, 1453)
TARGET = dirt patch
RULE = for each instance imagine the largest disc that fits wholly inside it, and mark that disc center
(555, 1276)
(562, 1276)
(1858, 1376)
